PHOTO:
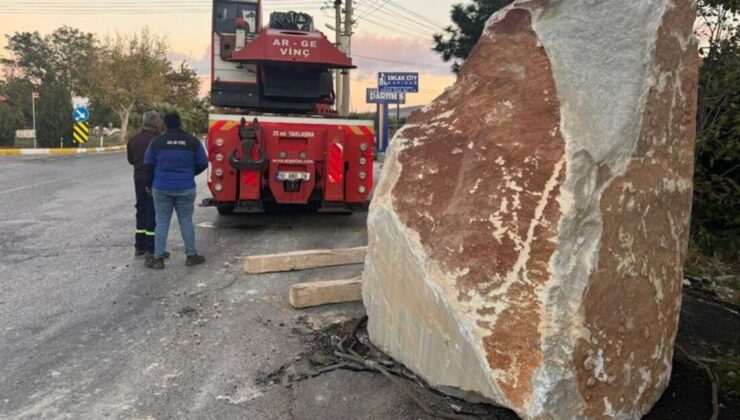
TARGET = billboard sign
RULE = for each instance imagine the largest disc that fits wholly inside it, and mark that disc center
(374, 96)
(398, 82)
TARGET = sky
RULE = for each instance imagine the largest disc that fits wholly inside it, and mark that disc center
(390, 35)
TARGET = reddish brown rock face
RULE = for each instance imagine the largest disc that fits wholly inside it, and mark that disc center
(480, 187)
(528, 231)
(645, 214)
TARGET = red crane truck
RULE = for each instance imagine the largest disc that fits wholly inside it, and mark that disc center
(276, 139)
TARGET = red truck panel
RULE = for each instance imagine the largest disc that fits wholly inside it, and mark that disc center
(331, 160)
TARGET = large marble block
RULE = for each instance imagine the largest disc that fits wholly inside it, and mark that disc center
(527, 235)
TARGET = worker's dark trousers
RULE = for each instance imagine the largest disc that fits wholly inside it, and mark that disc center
(145, 219)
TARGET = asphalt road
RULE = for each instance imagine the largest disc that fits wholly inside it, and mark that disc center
(87, 332)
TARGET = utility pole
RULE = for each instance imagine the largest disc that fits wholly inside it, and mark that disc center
(33, 111)
(338, 72)
(347, 41)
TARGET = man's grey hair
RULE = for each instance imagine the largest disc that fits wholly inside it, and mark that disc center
(151, 119)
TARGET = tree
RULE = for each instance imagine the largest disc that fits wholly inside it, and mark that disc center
(183, 85)
(184, 88)
(101, 115)
(199, 116)
(8, 124)
(64, 56)
(131, 71)
(54, 115)
(715, 220)
(457, 40)
(19, 92)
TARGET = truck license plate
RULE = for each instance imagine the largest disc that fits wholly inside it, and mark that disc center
(293, 176)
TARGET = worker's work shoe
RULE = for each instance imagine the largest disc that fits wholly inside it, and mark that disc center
(166, 255)
(195, 260)
(155, 263)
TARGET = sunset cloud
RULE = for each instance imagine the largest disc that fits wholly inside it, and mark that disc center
(201, 64)
(373, 53)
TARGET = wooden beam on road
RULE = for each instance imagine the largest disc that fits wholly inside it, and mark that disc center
(305, 295)
(301, 260)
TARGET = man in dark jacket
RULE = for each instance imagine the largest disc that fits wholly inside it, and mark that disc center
(136, 148)
(171, 163)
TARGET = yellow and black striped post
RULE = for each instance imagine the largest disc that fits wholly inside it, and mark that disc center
(81, 132)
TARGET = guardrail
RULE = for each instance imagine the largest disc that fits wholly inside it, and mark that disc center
(64, 151)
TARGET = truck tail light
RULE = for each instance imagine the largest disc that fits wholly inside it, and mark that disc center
(219, 142)
(363, 146)
(219, 157)
(218, 187)
(219, 172)
(362, 174)
(362, 189)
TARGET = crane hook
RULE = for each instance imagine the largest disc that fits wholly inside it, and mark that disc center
(248, 135)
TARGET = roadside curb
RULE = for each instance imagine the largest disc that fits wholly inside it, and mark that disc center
(66, 151)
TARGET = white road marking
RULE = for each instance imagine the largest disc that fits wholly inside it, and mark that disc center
(38, 184)
(17, 222)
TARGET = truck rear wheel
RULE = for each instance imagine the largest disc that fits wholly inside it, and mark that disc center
(225, 209)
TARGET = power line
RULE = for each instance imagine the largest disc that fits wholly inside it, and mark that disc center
(366, 7)
(418, 23)
(398, 6)
(378, 7)
(406, 32)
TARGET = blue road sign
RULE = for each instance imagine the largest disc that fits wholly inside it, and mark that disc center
(81, 114)
(398, 82)
(373, 96)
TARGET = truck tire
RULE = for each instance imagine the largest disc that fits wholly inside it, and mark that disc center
(225, 209)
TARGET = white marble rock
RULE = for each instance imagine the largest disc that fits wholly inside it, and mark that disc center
(527, 235)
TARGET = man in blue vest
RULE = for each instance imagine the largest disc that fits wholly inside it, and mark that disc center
(171, 163)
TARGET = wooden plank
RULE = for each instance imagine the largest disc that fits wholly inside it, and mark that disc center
(304, 295)
(301, 260)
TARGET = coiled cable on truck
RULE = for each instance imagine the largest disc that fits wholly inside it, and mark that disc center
(294, 21)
